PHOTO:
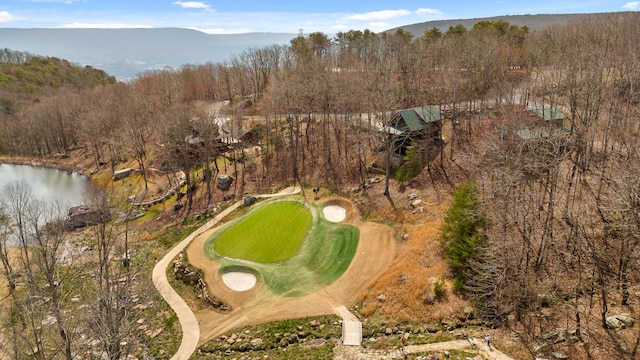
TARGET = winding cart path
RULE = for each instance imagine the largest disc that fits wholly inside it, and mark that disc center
(188, 321)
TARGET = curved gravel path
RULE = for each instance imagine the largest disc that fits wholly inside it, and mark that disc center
(188, 321)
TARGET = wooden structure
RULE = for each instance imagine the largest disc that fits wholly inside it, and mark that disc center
(541, 122)
(422, 125)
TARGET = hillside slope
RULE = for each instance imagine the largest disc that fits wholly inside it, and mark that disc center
(538, 21)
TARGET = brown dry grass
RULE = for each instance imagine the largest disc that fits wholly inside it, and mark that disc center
(410, 280)
(419, 262)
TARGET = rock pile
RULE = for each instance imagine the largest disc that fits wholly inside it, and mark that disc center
(309, 335)
(190, 275)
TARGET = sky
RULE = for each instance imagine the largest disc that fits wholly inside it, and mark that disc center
(242, 16)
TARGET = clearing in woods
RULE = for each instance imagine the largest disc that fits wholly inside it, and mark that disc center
(292, 247)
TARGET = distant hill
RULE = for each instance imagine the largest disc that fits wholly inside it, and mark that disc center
(125, 53)
(534, 22)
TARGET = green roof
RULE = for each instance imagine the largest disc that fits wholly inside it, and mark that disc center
(549, 114)
(417, 117)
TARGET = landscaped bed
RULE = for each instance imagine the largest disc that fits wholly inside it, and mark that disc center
(290, 245)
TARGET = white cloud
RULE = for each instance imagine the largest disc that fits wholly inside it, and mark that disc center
(103, 26)
(378, 15)
(192, 5)
(427, 11)
(631, 5)
(5, 16)
(56, 1)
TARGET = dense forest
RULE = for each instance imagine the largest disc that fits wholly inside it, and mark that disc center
(556, 208)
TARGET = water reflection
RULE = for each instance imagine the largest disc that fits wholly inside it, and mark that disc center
(49, 185)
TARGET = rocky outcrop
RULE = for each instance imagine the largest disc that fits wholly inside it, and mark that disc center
(190, 275)
(81, 216)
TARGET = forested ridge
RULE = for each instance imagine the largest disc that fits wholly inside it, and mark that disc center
(24, 77)
(554, 210)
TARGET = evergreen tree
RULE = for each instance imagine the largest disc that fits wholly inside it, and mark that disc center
(462, 237)
(412, 165)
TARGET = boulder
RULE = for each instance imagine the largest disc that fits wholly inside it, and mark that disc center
(620, 321)
(314, 343)
(224, 182)
(293, 338)
(314, 323)
(256, 342)
(249, 200)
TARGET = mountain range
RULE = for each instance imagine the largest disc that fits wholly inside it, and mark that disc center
(126, 53)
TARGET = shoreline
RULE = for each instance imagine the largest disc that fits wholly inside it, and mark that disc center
(39, 162)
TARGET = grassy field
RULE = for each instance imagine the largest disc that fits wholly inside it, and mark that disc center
(272, 233)
(323, 256)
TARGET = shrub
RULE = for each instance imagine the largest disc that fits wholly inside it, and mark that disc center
(440, 289)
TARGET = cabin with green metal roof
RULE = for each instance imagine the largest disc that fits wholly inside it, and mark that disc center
(541, 122)
(421, 125)
(424, 119)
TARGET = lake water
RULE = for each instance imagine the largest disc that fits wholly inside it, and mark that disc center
(46, 184)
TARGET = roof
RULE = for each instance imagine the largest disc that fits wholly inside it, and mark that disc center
(416, 118)
(528, 134)
(549, 113)
(232, 136)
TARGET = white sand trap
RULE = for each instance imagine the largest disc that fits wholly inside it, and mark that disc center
(239, 281)
(334, 213)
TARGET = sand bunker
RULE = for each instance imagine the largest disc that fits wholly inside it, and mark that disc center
(239, 281)
(334, 213)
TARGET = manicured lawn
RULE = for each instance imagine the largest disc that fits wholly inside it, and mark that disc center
(272, 233)
(325, 256)
(318, 251)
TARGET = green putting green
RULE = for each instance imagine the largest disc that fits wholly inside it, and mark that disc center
(271, 233)
(292, 251)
